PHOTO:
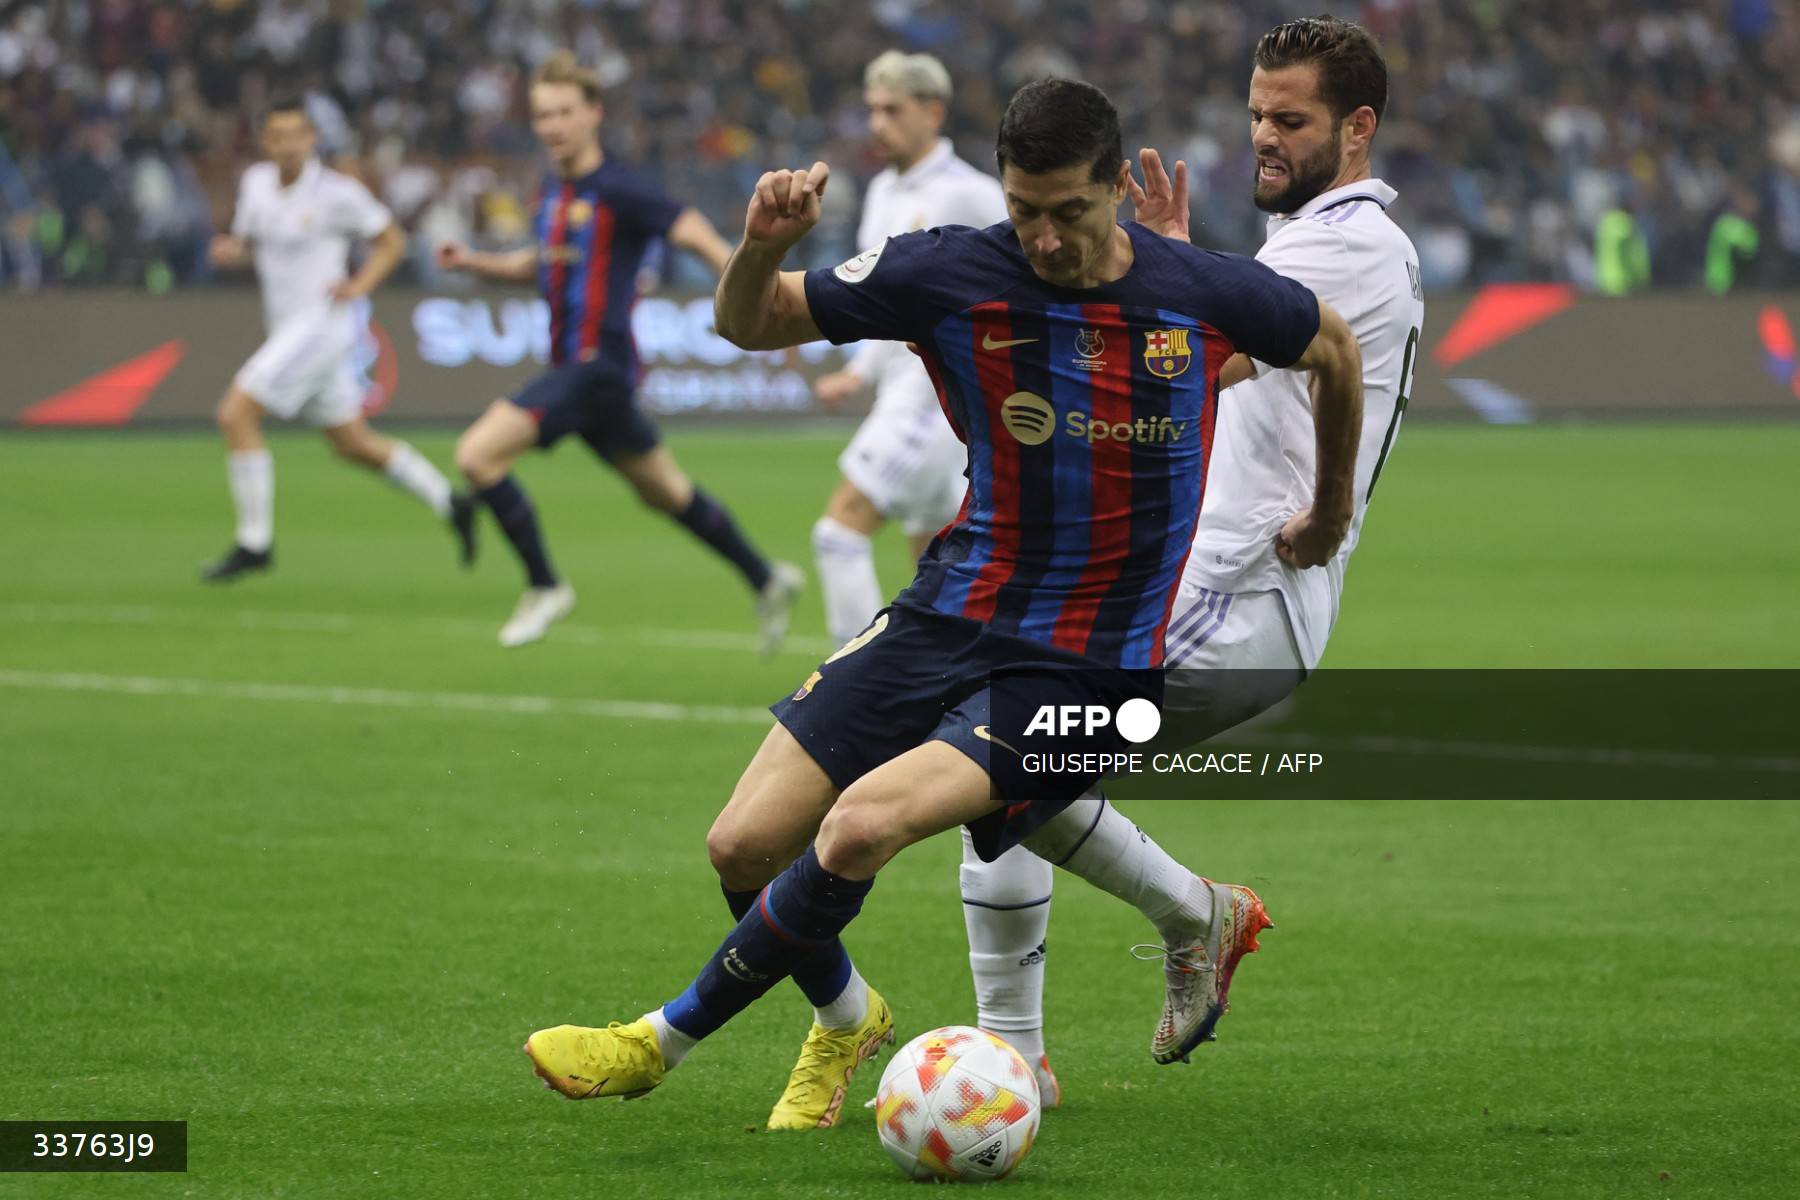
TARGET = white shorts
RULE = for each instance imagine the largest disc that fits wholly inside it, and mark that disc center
(907, 460)
(1226, 658)
(304, 370)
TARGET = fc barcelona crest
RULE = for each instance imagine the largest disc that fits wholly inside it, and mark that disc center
(1166, 352)
(580, 213)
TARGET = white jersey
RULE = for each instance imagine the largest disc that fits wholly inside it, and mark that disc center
(939, 189)
(302, 234)
(1263, 467)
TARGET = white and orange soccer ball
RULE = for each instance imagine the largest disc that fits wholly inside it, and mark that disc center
(957, 1103)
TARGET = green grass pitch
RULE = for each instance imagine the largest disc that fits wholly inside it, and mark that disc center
(303, 860)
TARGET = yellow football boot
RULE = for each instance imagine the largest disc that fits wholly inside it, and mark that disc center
(814, 1098)
(621, 1060)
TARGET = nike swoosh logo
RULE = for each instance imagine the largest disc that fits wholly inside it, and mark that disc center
(982, 732)
(988, 342)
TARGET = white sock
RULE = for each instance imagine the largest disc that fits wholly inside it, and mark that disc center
(252, 476)
(1096, 841)
(1006, 907)
(675, 1044)
(847, 575)
(414, 472)
(1028, 1042)
(850, 1007)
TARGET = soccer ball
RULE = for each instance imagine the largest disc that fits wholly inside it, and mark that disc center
(957, 1103)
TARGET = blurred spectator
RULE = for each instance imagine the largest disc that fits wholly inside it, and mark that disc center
(1514, 130)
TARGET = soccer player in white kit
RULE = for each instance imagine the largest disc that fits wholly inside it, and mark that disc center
(905, 463)
(1254, 610)
(297, 217)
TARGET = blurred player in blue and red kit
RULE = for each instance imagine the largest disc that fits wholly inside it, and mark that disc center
(593, 221)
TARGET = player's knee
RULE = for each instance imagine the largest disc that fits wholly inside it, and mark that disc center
(232, 413)
(852, 510)
(475, 464)
(743, 861)
(854, 840)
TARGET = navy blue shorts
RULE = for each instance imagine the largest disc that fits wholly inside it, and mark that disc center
(916, 676)
(593, 400)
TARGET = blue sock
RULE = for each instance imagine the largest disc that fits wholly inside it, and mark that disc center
(822, 975)
(518, 520)
(707, 520)
(802, 912)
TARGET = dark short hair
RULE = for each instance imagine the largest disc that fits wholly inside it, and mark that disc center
(288, 102)
(1352, 72)
(1055, 123)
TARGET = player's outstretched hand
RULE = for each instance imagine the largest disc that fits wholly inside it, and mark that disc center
(452, 256)
(225, 250)
(834, 389)
(1162, 204)
(1309, 539)
(785, 205)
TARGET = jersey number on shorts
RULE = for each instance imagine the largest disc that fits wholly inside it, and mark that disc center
(850, 647)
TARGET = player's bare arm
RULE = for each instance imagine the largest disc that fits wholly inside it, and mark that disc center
(1312, 536)
(758, 306)
(506, 266)
(694, 233)
(385, 253)
(835, 388)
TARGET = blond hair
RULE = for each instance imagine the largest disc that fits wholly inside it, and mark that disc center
(564, 68)
(921, 76)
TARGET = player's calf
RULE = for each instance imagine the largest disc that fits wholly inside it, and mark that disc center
(360, 446)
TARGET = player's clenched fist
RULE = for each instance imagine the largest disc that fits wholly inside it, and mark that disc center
(452, 256)
(226, 251)
(1310, 538)
(785, 205)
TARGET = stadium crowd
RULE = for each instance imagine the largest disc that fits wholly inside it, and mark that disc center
(1615, 143)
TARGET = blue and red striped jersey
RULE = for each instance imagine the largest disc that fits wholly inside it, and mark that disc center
(1088, 414)
(591, 234)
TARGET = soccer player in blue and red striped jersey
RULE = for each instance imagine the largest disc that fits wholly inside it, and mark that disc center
(1079, 360)
(593, 220)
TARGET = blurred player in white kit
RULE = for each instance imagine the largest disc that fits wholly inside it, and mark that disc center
(905, 463)
(297, 218)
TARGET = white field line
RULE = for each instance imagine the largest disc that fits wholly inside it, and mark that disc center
(1589, 756)
(302, 693)
(329, 622)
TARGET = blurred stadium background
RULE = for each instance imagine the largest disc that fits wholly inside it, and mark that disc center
(1520, 132)
(302, 861)
(1602, 148)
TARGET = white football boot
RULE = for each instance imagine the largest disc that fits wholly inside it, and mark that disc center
(538, 608)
